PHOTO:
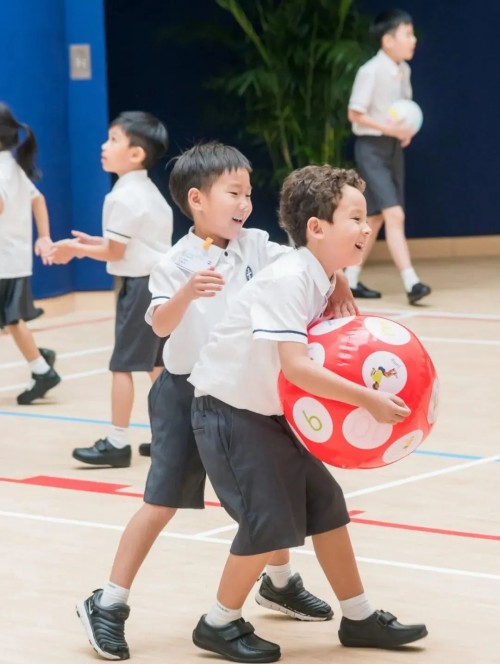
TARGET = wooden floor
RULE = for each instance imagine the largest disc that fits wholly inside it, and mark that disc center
(427, 534)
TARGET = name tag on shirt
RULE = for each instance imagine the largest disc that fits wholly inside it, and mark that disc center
(197, 259)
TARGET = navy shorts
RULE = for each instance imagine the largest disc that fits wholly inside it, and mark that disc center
(176, 477)
(16, 301)
(137, 348)
(266, 480)
(380, 162)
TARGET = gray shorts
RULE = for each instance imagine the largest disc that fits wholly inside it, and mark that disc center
(16, 301)
(380, 162)
(176, 477)
(137, 348)
(266, 480)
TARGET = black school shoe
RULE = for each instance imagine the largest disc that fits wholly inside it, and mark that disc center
(102, 453)
(43, 383)
(235, 641)
(361, 291)
(380, 630)
(48, 355)
(145, 449)
(105, 627)
(418, 291)
(293, 600)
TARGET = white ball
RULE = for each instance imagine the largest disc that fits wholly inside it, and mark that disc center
(408, 111)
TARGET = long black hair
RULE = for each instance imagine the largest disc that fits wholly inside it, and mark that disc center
(25, 151)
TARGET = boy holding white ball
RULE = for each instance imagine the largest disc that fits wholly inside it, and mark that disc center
(381, 83)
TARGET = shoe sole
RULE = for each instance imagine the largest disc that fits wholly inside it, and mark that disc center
(256, 660)
(104, 464)
(359, 643)
(267, 604)
(82, 614)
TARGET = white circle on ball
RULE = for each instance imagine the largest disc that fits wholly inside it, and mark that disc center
(403, 446)
(316, 352)
(312, 420)
(384, 371)
(432, 411)
(387, 331)
(329, 325)
(362, 430)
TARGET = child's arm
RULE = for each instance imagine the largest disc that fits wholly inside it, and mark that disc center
(87, 246)
(168, 315)
(300, 370)
(43, 242)
(341, 302)
(397, 130)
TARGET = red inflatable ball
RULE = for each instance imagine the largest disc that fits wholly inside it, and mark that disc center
(378, 353)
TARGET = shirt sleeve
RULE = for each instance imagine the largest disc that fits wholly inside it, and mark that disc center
(407, 89)
(362, 90)
(32, 190)
(122, 221)
(164, 282)
(280, 312)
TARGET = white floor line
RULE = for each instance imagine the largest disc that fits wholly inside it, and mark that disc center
(62, 356)
(451, 340)
(213, 540)
(216, 531)
(407, 313)
(76, 376)
(423, 476)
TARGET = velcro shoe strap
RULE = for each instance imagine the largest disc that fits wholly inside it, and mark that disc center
(385, 618)
(235, 630)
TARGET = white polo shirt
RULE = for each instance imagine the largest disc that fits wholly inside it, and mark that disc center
(16, 221)
(240, 364)
(136, 214)
(378, 84)
(238, 263)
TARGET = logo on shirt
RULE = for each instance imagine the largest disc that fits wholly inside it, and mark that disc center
(248, 273)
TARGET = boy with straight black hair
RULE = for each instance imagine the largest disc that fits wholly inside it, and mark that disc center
(264, 477)
(379, 145)
(137, 232)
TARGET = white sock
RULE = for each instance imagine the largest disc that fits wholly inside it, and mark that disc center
(39, 366)
(113, 594)
(410, 278)
(352, 273)
(219, 615)
(118, 437)
(356, 608)
(279, 574)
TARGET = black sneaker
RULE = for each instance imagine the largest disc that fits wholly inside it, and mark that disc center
(43, 383)
(293, 599)
(235, 641)
(145, 449)
(380, 630)
(48, 355)
(362, 291)
(105, 627)
(102, 453)
(418, 291)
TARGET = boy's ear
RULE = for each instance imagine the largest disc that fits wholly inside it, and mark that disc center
(315, 227)
(138, 155)
(194, 198)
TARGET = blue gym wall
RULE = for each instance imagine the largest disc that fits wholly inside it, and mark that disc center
(69, 119)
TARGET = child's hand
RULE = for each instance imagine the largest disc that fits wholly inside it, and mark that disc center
(85, 238)
(386, 408)
(401, 131)
(341, 302)
(63, 251)
(204, 284)
(43, 247)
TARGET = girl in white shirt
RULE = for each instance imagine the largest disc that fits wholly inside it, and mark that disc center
(19, 201)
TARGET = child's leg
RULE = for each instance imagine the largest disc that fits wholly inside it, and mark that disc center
(360, 625)
(238, 579)
(122, 398)
(153, 375)
(44, 378)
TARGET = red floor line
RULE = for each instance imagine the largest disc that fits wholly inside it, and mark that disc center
(46, 328)
(116, 490)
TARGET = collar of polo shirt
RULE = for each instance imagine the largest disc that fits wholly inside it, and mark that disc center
(233, 245)
(319, 276)
(131, 176)
(390, 63)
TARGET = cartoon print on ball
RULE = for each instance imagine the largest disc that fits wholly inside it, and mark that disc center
(387, 331)
(317, 353)
(384, 371)
(329, 325)
(403, 446)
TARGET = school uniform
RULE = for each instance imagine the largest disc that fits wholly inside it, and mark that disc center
(380, 159)
(176, 477)
(16, 242)
(265, 479)
(137, 215)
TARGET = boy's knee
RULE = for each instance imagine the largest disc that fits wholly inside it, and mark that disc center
(394, 215)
